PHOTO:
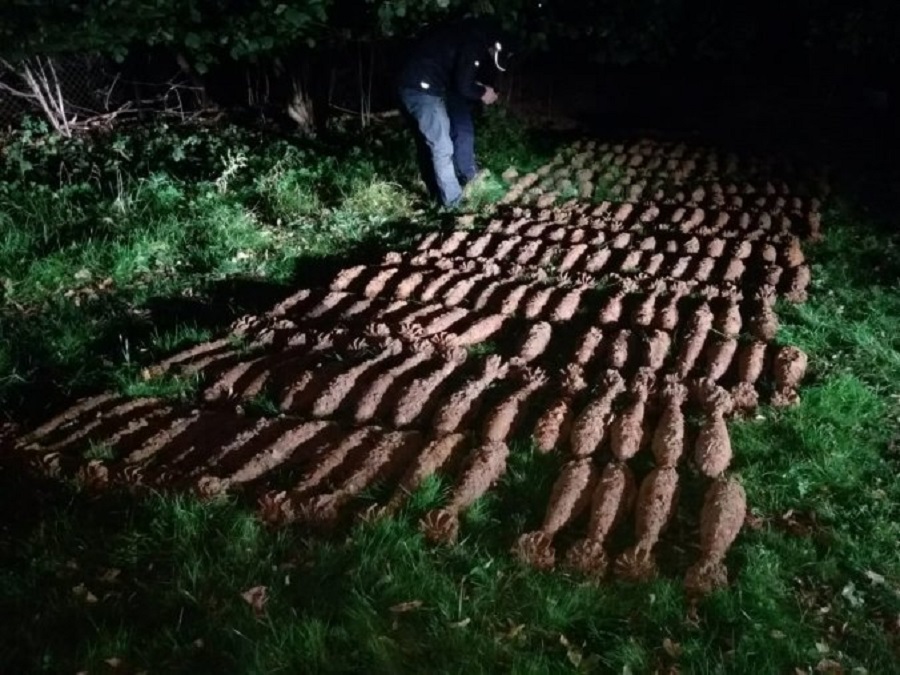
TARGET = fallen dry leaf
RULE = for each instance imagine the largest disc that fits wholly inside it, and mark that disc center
(875, 578)
(754, 522)
(256, 597)
(799, 524)
(114, 662)
(852, 596)
(110, 576)
(829, 666)
(692, 618)
(673, 649)
(515, 631)
(461, 624)
(404, 607)
(572, 653)
(82, 593)
(894, 446)
(777, 635)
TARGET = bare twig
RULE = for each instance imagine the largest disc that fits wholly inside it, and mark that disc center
(180, 109)
(61, 106)
(16, 92)
(12, 90)
(43, 98)
(110, 91)
(371, 79)
(358, 113)
(363, 108)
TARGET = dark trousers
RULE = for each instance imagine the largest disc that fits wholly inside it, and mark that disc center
(462, 133)
(445, 141)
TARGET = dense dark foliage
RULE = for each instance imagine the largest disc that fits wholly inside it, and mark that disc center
(611, 30)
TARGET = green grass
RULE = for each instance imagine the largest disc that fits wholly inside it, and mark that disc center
(156, 581)
(115, 247)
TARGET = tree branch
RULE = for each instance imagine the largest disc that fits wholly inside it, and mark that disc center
(12, 90)
(16, 92)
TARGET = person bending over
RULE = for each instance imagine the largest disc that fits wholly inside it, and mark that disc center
(439, 86)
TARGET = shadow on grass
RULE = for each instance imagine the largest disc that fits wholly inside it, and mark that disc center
(70, 351)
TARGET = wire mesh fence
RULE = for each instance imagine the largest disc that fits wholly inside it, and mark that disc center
(81, 85)
(77, 91)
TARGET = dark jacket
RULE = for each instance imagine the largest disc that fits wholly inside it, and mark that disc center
(447, 60)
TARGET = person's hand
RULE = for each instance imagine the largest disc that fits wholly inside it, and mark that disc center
(489, 96)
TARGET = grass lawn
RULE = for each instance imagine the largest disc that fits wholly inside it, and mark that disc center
(117, 250)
